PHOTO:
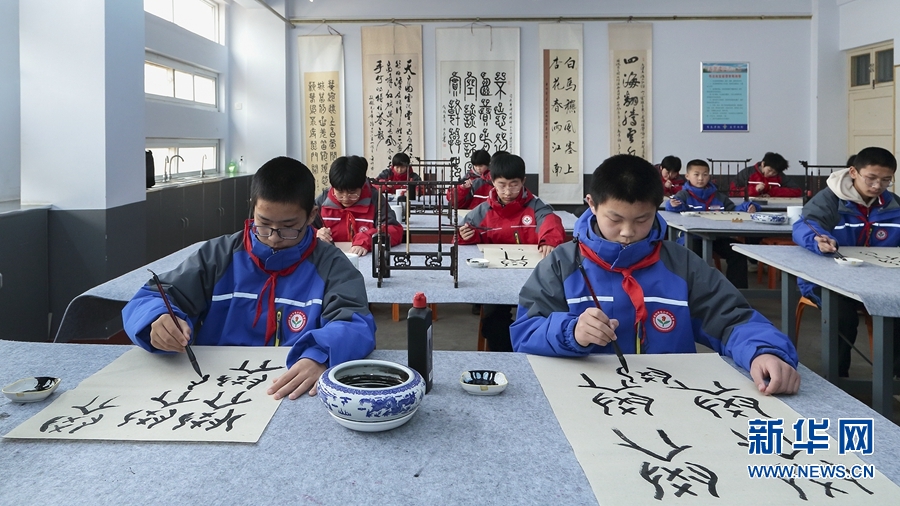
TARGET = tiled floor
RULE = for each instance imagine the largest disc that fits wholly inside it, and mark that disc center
(456, 329)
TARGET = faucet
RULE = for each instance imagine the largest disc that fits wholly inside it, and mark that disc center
(202, 163)
(173, 161)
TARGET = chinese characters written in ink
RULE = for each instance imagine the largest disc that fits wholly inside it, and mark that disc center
(630, 103)
(321, 97)
(477, 107)
(392, 107)
(562, 116)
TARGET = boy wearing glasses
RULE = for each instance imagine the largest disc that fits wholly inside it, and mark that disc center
(347, 210)
(273, 284)
(854, 210)
(511, 215)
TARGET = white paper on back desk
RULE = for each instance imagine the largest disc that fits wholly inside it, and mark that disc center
(511, 256)
(675, 431)
(144, 396)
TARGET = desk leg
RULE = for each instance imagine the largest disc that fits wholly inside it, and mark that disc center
(883, 365)
(830, 335)
(790, 297)
(672, 232)
(708, 251)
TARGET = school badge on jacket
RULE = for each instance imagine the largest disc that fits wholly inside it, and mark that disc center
(663, 321)
(297, 320)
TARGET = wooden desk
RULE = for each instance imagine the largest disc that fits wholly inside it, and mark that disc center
(457, 449)
(874, 286)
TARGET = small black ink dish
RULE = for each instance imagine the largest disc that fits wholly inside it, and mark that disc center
(483, 382)
(31, 389)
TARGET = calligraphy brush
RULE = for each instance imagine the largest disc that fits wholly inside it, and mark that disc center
(187, 348)
(837, 254)
(590, 288)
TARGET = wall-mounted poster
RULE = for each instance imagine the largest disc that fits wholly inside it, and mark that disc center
(477, 91)
(725, 97)
(392, 93)
(630, 73)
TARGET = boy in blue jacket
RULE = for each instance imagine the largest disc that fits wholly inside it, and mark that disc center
(854, 210)
(699, 194)
(655, 296)
(273, 284)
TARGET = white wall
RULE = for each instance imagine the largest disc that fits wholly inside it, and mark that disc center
(828, 87)
(63, 144)
(778, 52)
(258, 130)
(9, 100)
(865, 22)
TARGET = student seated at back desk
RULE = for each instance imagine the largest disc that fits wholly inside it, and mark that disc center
(476, 186)
(664, 297)
(397, 176)
(276, 258)
(347, 209)
(699, 194)
(855, 209)
(670, 173)
(765, 179)
(512, 215)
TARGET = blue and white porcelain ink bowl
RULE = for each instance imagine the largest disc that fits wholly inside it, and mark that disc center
(770, 218)
(371, 392)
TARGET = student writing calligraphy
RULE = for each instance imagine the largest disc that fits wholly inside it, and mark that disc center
(397, 175)
(512, 215)
(855, 209)
(700, 194)
(228, 292)
(670, 173)
(766, 179)
(347, 210)
(655, 295)
(476, 185)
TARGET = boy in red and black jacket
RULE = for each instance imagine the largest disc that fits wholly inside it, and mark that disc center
(475, 187)
(670, 173)
(766, 179)
(397, 175)
(512, 215)
(347, 209)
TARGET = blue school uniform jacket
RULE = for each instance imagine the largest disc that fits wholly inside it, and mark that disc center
(708, 198)
(687, 301)
(219, 289)
(836, 212)
(704, 199)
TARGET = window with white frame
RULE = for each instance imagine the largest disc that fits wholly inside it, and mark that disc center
(198, 16)
(167, 78)
(180, 158)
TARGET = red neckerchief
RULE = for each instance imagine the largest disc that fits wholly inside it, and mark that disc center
(866, 232)
(272, 281)
(351, 224)
(706, 202)
(629, 284)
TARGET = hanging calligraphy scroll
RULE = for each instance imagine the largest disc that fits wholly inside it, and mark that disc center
(392, 93)
(690, 429)
(561, 146)
(477, 90)
(630, 51)
(322, 92)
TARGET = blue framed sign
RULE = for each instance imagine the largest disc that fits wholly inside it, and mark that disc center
(725, 97)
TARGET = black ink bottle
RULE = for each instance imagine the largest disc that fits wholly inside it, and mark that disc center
(419, 339)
